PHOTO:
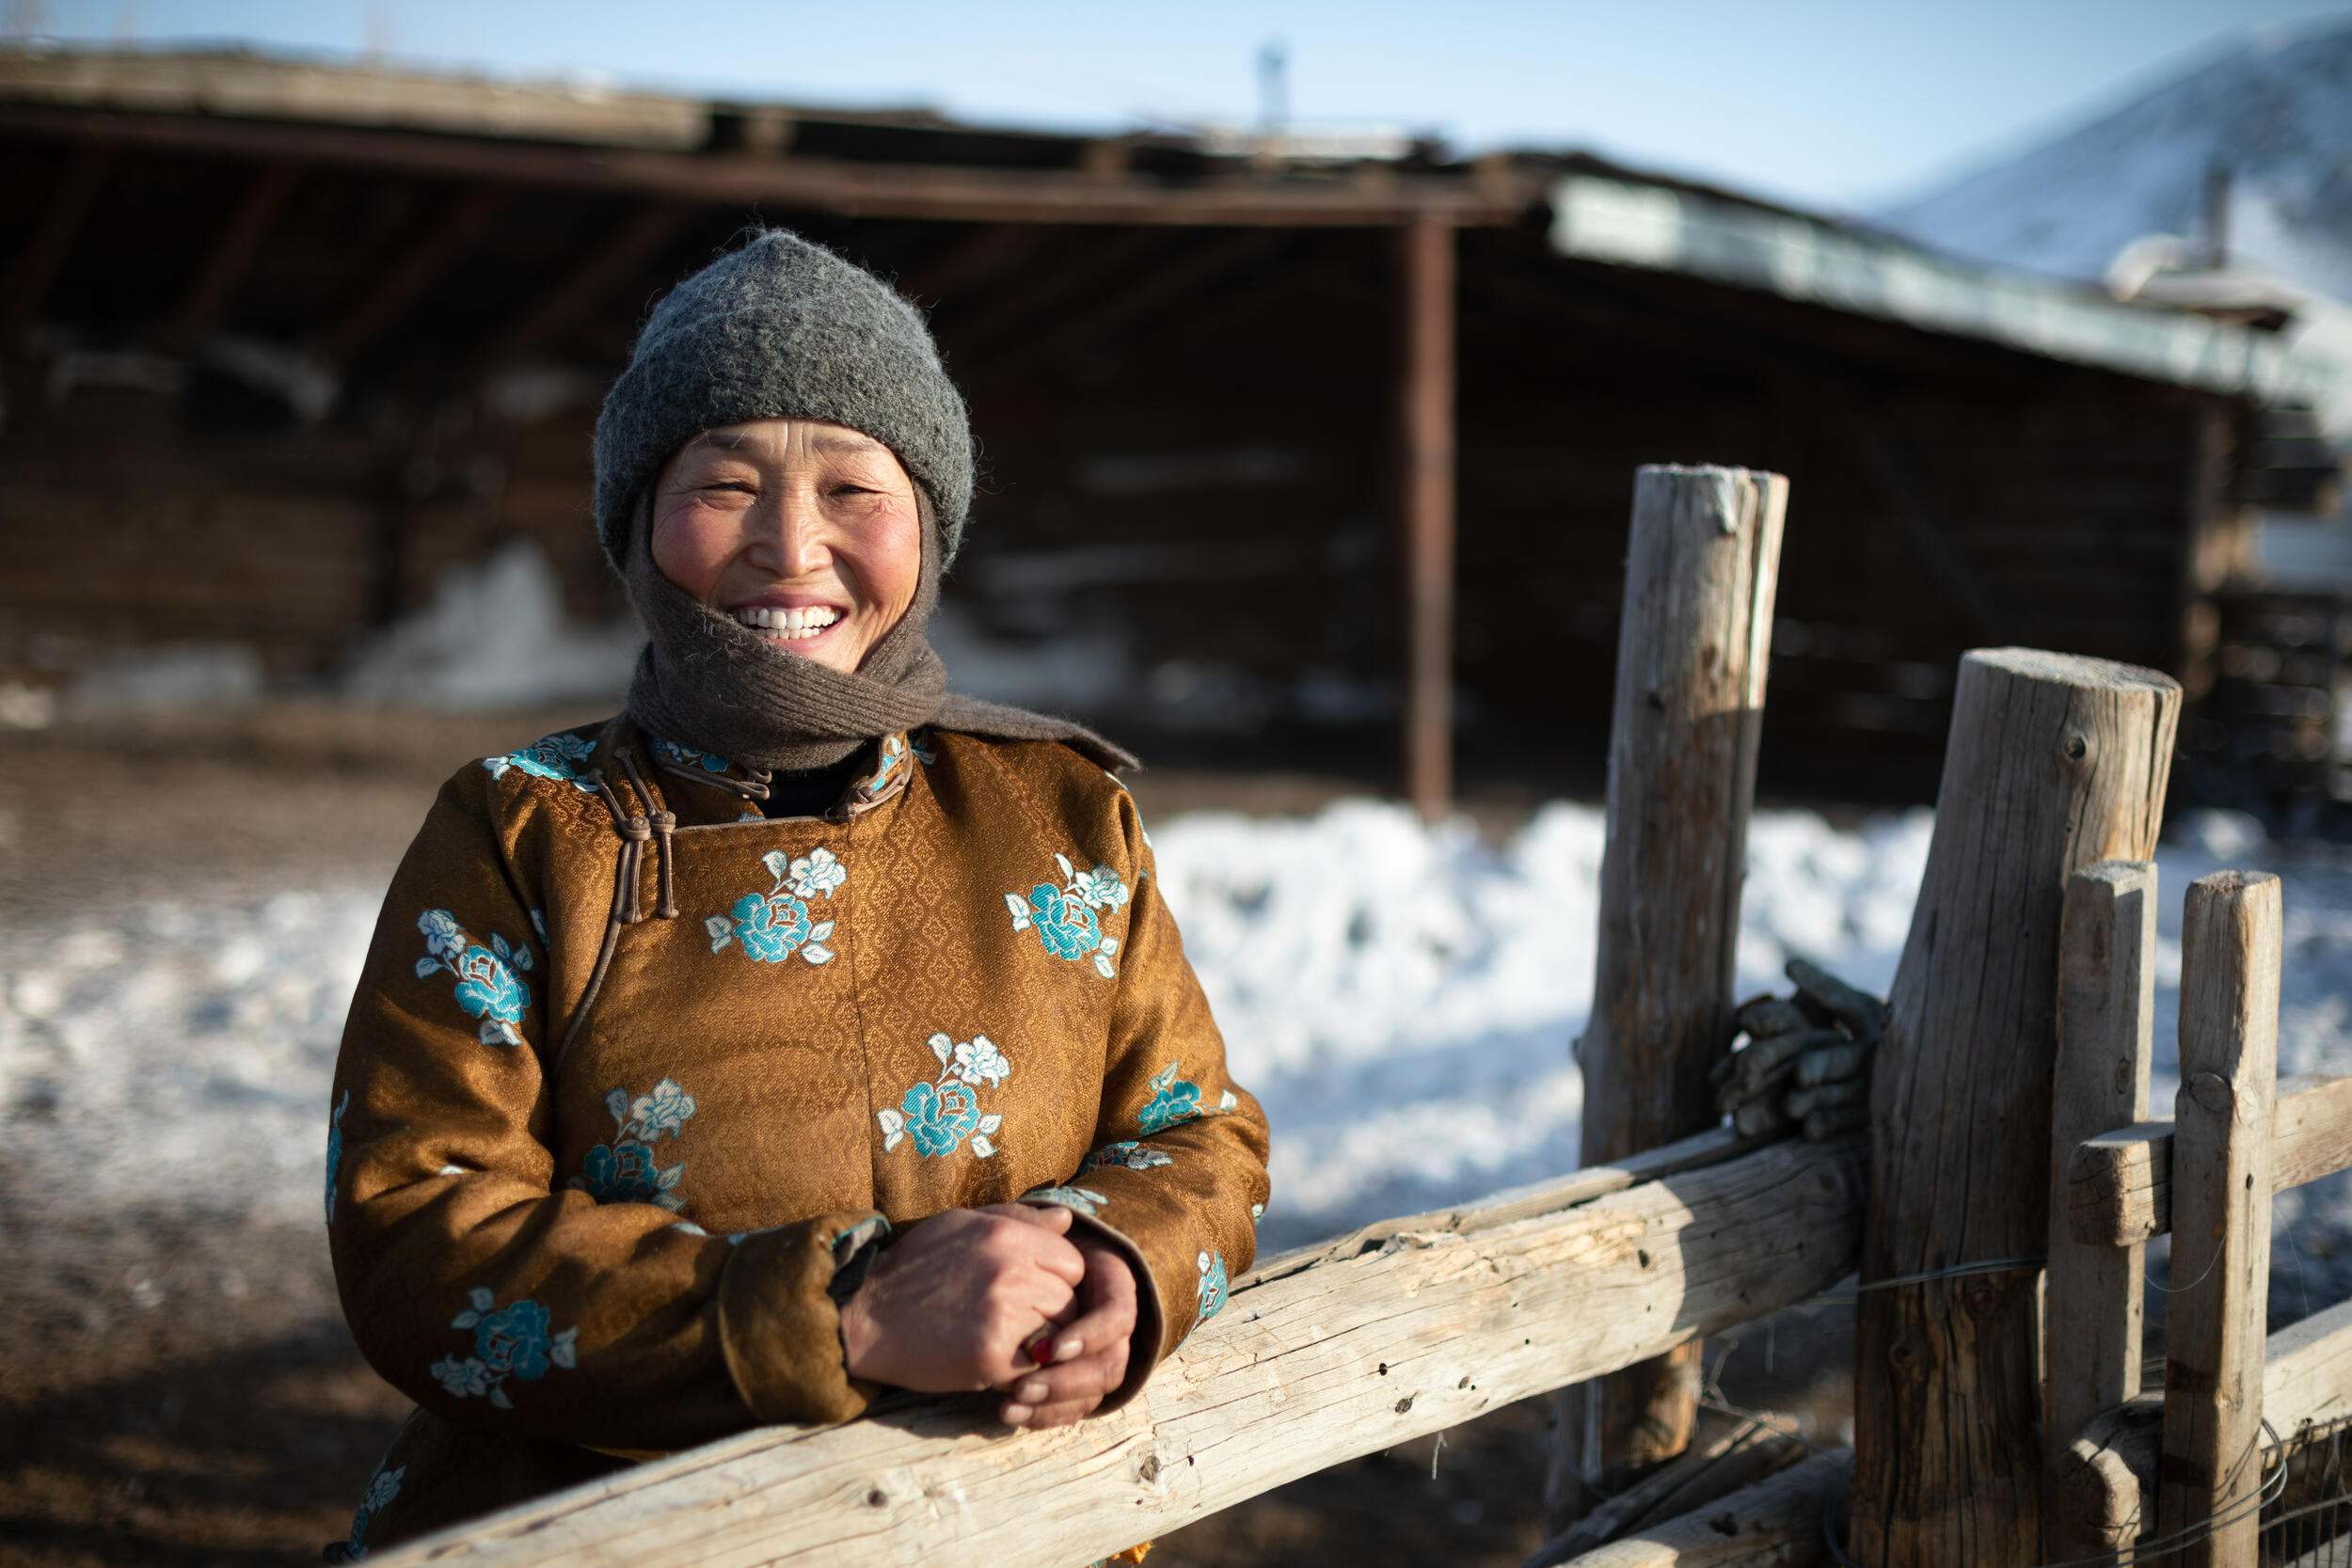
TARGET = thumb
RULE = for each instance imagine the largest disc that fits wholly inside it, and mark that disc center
(1047, 1216)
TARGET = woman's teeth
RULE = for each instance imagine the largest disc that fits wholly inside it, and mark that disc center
(789, 624)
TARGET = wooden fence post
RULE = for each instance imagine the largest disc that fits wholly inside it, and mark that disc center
(1425, 250)
(2221, 1190)
(2106, 998)
(1701, 568)
(2053, 763)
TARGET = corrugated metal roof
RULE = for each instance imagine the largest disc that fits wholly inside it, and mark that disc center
(1633, 224)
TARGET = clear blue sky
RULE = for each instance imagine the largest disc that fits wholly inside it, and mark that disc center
(1833, 102)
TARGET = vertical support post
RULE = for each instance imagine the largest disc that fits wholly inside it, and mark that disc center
(2054, 763)
(1701, 570)
(1425, 431)
(2107, 997)
(2221, 1190)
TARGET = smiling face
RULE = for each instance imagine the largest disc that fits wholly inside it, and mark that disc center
(809, 534)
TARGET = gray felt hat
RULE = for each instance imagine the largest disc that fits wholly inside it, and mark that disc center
(781, 328)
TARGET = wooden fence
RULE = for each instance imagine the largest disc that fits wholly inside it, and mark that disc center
(1984, 1419)
(2207, 1175)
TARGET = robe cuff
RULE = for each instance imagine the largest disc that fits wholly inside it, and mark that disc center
(779, 1326)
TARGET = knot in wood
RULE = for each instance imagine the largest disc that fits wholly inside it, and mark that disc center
(2076, 747)
(1150, 1469)
(2213, 1092)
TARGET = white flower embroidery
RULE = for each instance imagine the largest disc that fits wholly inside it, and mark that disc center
(817, 872)
(978, 1061)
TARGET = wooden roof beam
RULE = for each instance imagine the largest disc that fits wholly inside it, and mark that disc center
(1165, 285)
(609, 259)
(399, 285)
(1009, 313)
(60, 221)
(208, 295)
(824, 184)
(965, 259)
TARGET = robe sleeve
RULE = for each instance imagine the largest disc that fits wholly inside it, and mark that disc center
(1177, 1178)
(473, 1280)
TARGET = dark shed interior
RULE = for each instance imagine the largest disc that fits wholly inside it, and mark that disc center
(270, 373)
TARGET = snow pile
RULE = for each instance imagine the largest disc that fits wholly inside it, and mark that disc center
(495, 636)
(1402, 999)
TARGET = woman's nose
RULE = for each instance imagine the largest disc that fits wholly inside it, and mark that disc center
(791, 535)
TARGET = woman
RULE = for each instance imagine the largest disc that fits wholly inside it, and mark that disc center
(800, 1032)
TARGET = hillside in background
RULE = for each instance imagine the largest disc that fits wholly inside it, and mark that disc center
(2274, 111)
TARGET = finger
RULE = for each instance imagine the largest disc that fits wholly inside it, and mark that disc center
(1045, 1216)
(1757, 1119)
(1824, 1097)
(1821, 1126)
(1770, 1015)
(1107, 1324)
(1832, 1063)
(1858, 1010)
(1088, 1378)
(1058, 1258)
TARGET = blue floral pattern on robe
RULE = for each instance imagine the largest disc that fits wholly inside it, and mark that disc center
(1173, 1101)
(940, 1116)
(510, 1342)
(335, 1150)
(554, 757)
(625, 1171)
(1126, 1154)
(773, 925)
(487, 987)
(1085, 1200)
(1065, 917)
(1213, 1286)
(383, 1487)
(686, 756)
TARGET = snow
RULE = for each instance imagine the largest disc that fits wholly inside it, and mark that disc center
(1402, 999)
(494, 635)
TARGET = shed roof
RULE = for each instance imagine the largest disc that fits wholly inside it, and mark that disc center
(1636, 223)
(913, 164)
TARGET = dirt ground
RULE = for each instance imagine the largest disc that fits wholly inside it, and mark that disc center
(178, 1388)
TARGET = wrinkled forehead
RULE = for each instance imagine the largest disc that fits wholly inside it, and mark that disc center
(781, 438)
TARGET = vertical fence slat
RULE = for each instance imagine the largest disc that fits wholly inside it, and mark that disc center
(1702, 564)
(2106, 998)
(2221, 1189)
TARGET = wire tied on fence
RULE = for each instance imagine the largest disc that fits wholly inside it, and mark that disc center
(1958, 1271)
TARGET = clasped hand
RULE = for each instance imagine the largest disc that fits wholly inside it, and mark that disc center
(1003, 1297)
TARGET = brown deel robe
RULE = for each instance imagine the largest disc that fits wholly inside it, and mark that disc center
(633, 1070)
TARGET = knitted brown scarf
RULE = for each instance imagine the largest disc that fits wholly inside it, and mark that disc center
(706, 681)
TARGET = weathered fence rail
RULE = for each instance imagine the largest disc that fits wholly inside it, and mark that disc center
(2120, 1186)
(1320, 1356)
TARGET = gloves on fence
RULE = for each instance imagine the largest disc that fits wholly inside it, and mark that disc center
(1806, 1062)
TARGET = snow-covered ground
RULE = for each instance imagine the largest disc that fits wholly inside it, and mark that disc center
(1402, 999)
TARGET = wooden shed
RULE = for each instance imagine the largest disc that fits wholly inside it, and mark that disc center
(1301, 448)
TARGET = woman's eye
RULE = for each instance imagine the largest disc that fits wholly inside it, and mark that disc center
(736, 486)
